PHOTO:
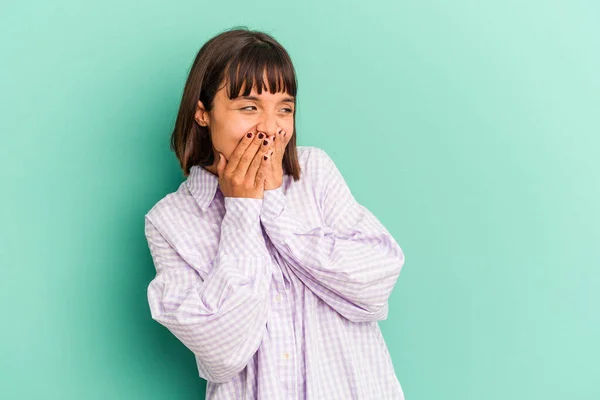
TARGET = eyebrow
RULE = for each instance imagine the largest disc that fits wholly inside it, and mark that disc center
(286, 99)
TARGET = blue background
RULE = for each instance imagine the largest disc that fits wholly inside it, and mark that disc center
(469, 128)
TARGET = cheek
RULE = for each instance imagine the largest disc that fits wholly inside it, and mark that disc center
(228, 137)
(229, 126)
(223, 144)
(235, 130)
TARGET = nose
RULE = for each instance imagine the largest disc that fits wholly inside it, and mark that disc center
(268, 124)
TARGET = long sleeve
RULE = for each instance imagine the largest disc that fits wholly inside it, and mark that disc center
(350, 261)
(222, 318)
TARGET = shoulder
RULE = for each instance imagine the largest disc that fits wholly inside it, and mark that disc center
(318, 172)
(163, 211)
(315, 162)
(176, 220)
(311, 153)
(314, 159)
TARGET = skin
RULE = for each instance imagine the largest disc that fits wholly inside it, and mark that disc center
(230, 120)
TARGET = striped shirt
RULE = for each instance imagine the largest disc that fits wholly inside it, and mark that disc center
(278, 298)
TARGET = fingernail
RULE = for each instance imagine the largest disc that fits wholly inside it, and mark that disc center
(265, 157)
(260, 135)
(266, 142)
(249, 134)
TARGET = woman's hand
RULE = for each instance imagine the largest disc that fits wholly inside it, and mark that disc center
(244, 173)
(274, 174)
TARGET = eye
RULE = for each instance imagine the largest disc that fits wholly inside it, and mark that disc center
(288, 110)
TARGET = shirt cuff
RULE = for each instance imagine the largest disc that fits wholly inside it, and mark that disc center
(245, 210)
(273, 202)
(241, 232)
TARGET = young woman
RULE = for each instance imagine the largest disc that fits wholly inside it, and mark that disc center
(267, 268)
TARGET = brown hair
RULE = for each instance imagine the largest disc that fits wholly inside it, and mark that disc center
(238, 56)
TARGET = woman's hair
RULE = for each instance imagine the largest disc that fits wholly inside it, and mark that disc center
(237, 57)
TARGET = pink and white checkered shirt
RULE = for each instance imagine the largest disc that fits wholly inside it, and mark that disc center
(278, 298)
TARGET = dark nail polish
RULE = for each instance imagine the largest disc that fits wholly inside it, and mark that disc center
(249, 135)
(265, 142)
(265, 157)
(274, 137)
(260, 135)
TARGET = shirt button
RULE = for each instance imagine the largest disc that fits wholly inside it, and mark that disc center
(286, 356)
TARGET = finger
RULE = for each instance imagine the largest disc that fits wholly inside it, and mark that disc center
(280, 143)
(248, 143)
(221, 165)
(271, 164)
(258, 146)
(263, 171)
(258, 158)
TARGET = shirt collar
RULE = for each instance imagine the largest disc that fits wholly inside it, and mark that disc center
(202, 185)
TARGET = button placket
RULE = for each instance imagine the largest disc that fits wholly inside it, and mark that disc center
(283, 334)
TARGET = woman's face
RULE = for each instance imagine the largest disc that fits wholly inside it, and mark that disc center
(230, 120)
